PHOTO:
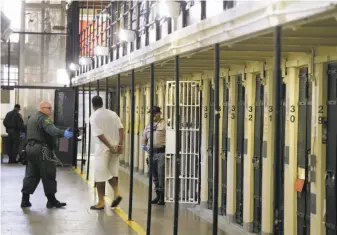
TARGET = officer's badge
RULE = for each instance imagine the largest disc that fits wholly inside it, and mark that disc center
(48, 121)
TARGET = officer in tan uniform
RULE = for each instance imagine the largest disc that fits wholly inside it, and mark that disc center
(158, 161)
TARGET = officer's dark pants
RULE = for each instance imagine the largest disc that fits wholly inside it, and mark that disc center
(39, 168)
(13, 144)
(158, 171)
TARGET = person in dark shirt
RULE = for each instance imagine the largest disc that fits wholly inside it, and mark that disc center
(41, 161)
(15, 128)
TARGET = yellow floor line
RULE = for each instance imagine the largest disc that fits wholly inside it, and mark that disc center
(134, 225)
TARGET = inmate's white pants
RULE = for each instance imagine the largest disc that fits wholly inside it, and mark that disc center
(106, 166)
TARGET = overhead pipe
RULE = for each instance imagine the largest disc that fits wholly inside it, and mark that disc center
(149, 205)
(216, 138)
(177, 150)
(132, 141)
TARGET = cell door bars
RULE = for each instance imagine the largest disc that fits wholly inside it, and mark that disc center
(189, 144)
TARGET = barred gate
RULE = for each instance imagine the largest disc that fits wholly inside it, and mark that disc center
(190, 108)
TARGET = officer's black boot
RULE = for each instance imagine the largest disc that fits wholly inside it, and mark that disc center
(53, 202)
(156, 199)
(25, 201)
(161, 200)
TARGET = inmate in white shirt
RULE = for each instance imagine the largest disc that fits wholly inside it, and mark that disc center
(106, 122)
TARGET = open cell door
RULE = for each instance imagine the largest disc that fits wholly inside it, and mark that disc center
(66, 116)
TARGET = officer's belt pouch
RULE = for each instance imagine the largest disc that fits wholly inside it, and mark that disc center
(33, 150)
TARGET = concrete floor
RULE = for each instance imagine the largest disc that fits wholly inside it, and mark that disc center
(77, 218)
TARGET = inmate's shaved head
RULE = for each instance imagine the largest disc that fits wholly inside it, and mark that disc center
(45, 107)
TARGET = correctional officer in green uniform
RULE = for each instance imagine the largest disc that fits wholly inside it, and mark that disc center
(41, 161)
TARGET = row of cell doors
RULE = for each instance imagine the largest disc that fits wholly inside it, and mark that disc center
(190, 128)
(260, 148)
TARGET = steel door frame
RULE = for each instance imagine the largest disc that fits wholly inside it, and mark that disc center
(210, 146)
(224, 147)
(240, 149)
(190, 126)
(331, 163)
(258, 153)
(72, 143)
(303, 151)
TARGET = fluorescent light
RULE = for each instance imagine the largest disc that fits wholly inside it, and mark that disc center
(101, 51)
(73, 66)
(62, 77)
(127, 35)
(169, 9)
(85, 61)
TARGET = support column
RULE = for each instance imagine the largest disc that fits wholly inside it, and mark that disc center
(204, 140)
(231, 156)
(268, 157)
(290, 168)
(221, 105)
(132, 141)
(318, 150)
(216, 138)
(248, 196)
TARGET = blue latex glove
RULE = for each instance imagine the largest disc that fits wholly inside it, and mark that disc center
(22, 135)
(68, 134)
(144, 147)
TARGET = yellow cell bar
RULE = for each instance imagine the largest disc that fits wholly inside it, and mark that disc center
(127, 128)
(290, 170)
(248, 197)
(141, 129)
(147, 120)
(267, 163)
(122, 117)
(231, 156)
(204, 140)
(317, 186)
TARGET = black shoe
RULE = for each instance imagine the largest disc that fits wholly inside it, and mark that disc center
(116, 202)
(156, 199)
(25, 204)
(161, 200)
(161, 203)
(94, 207)
(57, 204)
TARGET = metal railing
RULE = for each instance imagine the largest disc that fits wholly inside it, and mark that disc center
(101, 23)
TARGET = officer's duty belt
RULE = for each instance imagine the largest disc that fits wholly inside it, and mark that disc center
(159, 150)
(32, 142)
